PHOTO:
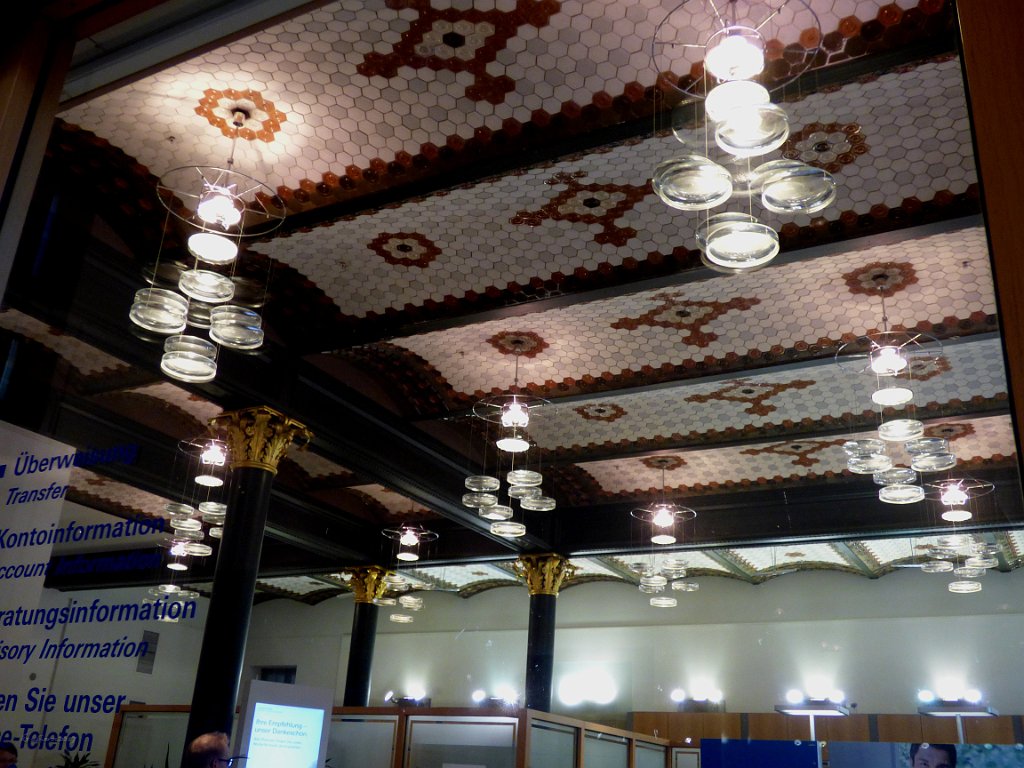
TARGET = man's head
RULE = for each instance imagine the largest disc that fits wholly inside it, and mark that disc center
(209, 750)
(8, 754)
(932, 756)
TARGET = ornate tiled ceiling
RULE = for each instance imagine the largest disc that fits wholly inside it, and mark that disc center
(468, 203)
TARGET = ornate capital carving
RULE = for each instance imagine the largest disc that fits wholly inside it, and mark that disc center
(367, 582)
(259, 437)
(544, 574)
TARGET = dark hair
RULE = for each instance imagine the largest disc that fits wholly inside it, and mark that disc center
(6, 746)
(205, 748)
(949, 749)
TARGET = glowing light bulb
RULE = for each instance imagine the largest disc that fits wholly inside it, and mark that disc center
(972, 695)
(178, 549)
(737, 54)
(892, 396)
(217, 206)
(212, 247)
(837, 696)
(478, 695)
(214, 454)
(887, 361)
(677, 695)
(664, 516)
(409, 538)
(954, 496)
(925, 696)
(736, 93)
(515, 414)
(794, 696)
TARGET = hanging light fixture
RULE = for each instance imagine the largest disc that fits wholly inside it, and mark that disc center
(215, 207)
(663, 514)
(730, 36)
(409, 538)
(510, 414)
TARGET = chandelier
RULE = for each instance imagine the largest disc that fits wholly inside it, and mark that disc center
(734, 44)
(512, 456)
(663, 514)
(215, 208)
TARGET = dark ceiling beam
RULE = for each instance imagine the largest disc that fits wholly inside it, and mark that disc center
(806, 512)
(728, 561)
(855, 560)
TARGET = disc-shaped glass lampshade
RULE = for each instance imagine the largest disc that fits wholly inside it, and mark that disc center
(199, 314)
(736, 93)
(524, 492)
(691, 183)
(869, 465)
(236, 327)
(186, 524)
(508, 529)
(482, 483)
(933, 462)
(209, 481)
(159, 310)
(752, 131)
(663, 539)
(894, 476)
(538, 503)
(892, 396)
(175, 509)
(495, 512)
(664, 602)
(964, 587)
(900, 430)
(524, 477)
(936, 566)
(968, 572)
(198, 549)
(737, 241)
(863, 447)
(400, 618)
(927, 445)
(979, 561)
(216, 532)
(479, 499)
(790, 186)
(189, 358)
(957, 515)
(685, 586)
(653, 580)
(204, 285)
(901, 494)
(734, 53)
(213, 508)
(407, 555)
(513, 444)
(212, 248)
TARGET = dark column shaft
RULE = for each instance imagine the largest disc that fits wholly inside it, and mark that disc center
(540, 652)
(227, 621)
(360, 655)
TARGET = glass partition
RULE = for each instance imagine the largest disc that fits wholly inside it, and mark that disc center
(151, 740)
(368, 742)
(648, 755)
(439, 742)
(601, 750)
(552, 744)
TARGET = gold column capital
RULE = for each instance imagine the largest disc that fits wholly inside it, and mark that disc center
(259, 437)
(367, 582)
(544, 574)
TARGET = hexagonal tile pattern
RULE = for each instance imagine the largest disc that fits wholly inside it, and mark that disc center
(585, 344)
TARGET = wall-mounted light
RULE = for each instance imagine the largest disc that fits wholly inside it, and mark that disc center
(803, 703)
(961, 702)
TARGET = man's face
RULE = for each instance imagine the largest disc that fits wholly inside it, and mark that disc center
(930, 757)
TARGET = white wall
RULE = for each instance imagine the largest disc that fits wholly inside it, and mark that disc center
(879, 640)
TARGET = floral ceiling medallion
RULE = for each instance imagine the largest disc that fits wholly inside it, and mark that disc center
(752, 393)
(459, 39)
(262, 119)
(589, 204)
(685, 315)
(405, 249)
(883, 278)
(519, 343)
(828, 146)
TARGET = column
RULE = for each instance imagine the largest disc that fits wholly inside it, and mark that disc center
(257, 439)
(367, 584)
(544, 575)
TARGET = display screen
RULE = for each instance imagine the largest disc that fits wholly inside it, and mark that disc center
(283, 735)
